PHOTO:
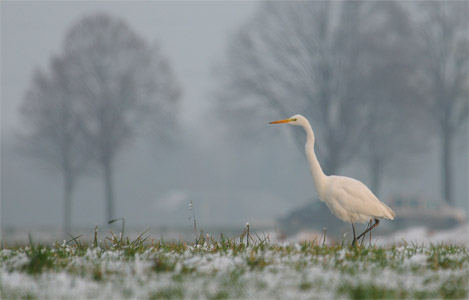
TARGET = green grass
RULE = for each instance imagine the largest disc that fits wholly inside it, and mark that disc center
(226, 268)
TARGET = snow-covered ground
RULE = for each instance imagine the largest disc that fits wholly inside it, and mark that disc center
(293, 271)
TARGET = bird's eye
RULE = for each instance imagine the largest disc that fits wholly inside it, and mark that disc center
(294, 119)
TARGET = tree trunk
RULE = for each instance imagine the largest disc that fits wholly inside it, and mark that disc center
(68, 189)
(109, 192)
(446, 167)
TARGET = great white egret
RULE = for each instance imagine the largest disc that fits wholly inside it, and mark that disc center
(347, 198)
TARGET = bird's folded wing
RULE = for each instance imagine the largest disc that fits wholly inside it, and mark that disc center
(355, 197)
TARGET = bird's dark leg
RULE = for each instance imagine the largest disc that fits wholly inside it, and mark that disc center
(354, 236)
(367, 226)
(369, 229)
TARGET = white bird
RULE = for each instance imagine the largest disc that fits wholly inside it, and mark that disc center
(348, 199)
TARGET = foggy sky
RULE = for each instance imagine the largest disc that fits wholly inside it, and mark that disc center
(153, 188)
(191, 34)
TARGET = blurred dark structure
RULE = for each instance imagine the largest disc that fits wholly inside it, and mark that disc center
(418, 212)
(312, 216)
(316, 216)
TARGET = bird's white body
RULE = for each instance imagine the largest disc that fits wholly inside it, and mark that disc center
(347, 198)
(351, 201)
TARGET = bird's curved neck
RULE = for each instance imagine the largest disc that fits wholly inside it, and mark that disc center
(319, 177)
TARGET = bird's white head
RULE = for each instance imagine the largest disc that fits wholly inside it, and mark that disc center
(298, 120)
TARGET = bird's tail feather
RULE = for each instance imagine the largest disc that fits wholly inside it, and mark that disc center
(389, 213)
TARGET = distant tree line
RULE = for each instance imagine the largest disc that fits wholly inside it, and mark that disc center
(94, 97)
(372, 76)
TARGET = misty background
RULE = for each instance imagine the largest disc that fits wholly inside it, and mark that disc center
(227, 70)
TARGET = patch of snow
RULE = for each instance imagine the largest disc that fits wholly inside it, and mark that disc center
(421, 235)
(418, 259)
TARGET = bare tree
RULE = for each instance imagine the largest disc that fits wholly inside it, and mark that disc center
(120, 82)
(442, 34)
(393, 130)
(53, 135)
(317, 58)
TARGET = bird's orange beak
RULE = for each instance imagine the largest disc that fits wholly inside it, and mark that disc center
(281, 121)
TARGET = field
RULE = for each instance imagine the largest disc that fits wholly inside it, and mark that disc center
(226, 268)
